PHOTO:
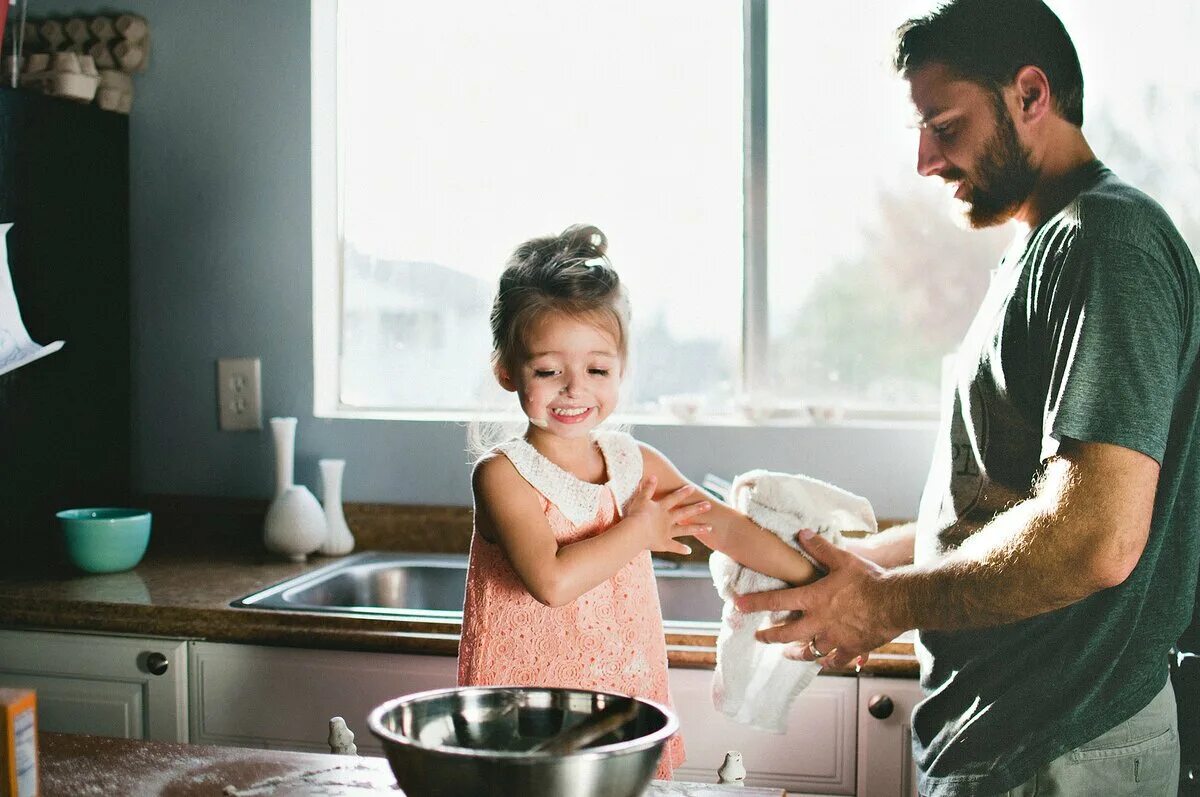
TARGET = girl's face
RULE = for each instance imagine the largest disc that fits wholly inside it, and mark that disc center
(570, 379)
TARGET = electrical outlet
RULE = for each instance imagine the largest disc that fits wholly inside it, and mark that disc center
(239, 393)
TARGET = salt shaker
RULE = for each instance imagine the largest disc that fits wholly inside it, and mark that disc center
(341, 738)
(731, 772)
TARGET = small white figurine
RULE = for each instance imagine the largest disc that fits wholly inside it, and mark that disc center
(341, 738)
(732, 772)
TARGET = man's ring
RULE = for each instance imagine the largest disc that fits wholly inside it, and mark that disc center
(812, 648)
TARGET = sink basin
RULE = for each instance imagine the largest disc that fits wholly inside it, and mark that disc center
(414, 586)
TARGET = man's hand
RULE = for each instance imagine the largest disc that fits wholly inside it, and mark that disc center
(842, 614)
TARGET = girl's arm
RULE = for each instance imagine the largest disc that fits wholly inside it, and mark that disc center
(889, 548)
(508, 512)
(734, 534)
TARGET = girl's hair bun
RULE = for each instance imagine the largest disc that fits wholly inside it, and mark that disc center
(582, 240)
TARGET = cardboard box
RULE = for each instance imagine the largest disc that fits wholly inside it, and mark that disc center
(18, 742)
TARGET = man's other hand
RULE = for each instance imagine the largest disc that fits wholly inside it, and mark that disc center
(843, 615)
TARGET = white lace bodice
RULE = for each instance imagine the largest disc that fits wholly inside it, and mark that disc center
(576, 499)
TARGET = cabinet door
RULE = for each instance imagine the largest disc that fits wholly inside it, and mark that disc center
(102, 685)
(885, 765)
(816, 755)
(282, 698)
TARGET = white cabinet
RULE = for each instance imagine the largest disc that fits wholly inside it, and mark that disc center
(885, 765)
(130, 687)
(282, 698)
(815, 756)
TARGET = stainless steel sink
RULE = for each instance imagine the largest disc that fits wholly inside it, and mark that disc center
(415, 586)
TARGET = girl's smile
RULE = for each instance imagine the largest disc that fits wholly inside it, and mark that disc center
(571, 415)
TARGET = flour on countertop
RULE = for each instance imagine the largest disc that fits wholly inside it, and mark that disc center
(151, 769)
(331, 781)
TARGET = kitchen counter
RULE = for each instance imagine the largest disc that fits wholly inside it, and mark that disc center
(185, 592)
(77, 766)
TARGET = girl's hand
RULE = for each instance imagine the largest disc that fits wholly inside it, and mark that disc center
(666, 518)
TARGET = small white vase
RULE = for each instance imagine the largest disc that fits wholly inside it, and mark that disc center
(338, 539)
(295, 523)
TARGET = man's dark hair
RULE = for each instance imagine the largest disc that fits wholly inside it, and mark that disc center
(988, 41)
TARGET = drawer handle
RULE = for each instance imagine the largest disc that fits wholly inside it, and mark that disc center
(157, 663)
(880, 707)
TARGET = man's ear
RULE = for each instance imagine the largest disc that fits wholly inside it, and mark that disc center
(504, 379)
(1032, 89)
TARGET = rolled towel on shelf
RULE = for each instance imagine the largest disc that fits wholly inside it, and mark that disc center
(50, 31)
(34, 69)
(131, 27)
(69, 75)
(102, 29)
(115, 92)
(753, 683)
(85, 58)
(77, 30)
(114, 100)
(33, 39)
(87, 66)
(66, 62)
(115, 79)
(130, 56)
(101, 53)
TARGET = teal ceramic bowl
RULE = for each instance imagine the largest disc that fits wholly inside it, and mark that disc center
(105, 540)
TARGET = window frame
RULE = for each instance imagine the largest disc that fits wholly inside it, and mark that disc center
(327, 219)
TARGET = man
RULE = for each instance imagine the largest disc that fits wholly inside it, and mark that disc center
(1055, 555)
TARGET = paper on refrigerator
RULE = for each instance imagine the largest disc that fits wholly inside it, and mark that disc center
(16, 347)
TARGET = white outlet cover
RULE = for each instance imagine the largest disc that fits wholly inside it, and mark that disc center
(239, 393)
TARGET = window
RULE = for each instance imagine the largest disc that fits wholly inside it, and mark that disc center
(872, 281)
(750, 162)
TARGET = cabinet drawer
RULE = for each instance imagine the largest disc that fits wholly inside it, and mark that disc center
(282, 698)
(100, 684)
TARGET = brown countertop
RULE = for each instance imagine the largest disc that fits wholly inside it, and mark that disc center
(186, 592)
(75, 766)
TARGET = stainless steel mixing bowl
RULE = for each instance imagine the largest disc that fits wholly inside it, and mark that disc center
(475, 742)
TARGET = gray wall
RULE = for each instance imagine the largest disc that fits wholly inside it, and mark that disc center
(222, 268)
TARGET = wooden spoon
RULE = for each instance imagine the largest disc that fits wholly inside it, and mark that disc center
(605, 721)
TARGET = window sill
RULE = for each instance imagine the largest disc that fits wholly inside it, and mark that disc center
(857, 418)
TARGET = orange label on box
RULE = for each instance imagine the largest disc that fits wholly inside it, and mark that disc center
(18, 743)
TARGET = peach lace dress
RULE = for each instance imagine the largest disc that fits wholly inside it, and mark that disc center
(608, 639)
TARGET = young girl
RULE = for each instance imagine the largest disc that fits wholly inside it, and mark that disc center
(560, 587)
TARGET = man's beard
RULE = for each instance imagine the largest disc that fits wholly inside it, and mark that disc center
(1004, 175)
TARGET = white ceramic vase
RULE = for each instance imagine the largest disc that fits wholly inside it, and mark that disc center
(295, 524)
(338, 539)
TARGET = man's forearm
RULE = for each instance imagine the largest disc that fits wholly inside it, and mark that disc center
(1083, 529)
(1013, 568)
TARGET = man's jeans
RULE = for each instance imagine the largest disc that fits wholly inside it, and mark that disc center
(1139, 757)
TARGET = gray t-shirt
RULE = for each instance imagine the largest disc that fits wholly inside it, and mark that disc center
(1089, 331)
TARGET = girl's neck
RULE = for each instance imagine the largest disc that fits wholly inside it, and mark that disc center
(580, 457)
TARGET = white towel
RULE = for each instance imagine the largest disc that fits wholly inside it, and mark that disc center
(753, 683)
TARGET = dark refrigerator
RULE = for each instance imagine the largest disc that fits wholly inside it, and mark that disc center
(64, 419)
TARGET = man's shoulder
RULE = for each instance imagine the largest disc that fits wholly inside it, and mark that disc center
(1113, 210)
